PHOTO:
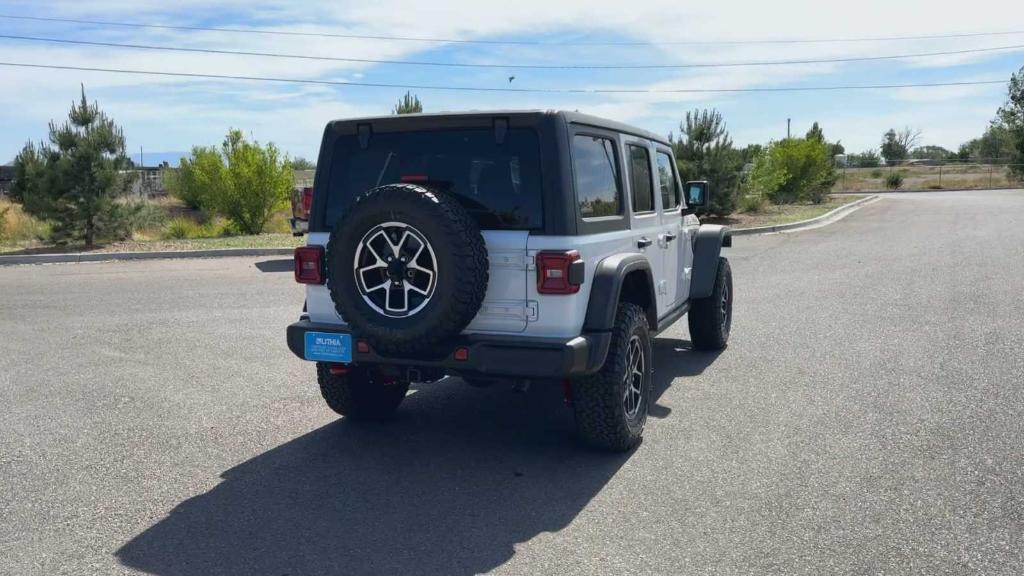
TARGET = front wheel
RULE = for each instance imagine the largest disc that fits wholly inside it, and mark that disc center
(710, 318)
(360, 392)
(611, 405)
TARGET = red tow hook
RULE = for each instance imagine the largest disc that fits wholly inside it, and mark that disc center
(336, 369)
(567, 391)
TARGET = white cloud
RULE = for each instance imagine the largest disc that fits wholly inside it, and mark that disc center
(182, 111)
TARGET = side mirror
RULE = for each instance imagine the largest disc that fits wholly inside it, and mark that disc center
(696, 194)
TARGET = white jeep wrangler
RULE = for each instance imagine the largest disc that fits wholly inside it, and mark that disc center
(530, 246)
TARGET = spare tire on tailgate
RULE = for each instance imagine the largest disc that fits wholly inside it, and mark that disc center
(406, 268)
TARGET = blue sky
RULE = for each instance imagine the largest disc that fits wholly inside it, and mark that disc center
(164, 114)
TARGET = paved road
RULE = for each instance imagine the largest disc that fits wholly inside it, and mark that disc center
(868, 417)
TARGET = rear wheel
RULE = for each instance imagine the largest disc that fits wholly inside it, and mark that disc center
(710, 318)
(360, 392)
(611, 405)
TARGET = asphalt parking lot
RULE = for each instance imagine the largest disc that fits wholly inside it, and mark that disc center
(867, 417)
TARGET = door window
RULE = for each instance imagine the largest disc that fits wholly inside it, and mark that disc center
(669, 186)
(640, 179)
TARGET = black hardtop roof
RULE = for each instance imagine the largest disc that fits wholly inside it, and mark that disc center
(421, 120)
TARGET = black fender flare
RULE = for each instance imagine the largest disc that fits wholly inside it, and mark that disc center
(609, 275)
(707, 247)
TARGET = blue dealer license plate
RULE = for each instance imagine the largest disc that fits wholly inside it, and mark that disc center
(327, 347)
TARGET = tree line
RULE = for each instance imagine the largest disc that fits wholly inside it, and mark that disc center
(804, 169)
(79, 179)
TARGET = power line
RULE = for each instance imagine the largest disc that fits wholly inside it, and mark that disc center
(501, 89)
(515, 66)
(504, 42)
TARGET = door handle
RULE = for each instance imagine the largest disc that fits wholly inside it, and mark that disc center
(644, 242)
(669, 237)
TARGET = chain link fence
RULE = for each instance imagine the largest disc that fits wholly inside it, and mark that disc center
(938, 176)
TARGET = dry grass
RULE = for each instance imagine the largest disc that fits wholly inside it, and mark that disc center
(18, 230)
(775, 214)
(967, 177)
(169, 225)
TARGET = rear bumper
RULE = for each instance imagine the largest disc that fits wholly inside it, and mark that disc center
(509, 356)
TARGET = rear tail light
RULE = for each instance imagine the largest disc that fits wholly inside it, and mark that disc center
(559, 272)
(307, 201)
(309, 264)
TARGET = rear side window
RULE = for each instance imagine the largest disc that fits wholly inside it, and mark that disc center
(669, 186)
(499, 184)
(596, 171)
(640, 179)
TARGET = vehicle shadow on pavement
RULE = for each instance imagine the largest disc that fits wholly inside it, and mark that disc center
(675, 358)
(451, 486)
(278, 265)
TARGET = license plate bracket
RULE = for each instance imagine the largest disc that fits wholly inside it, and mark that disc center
(328, 347)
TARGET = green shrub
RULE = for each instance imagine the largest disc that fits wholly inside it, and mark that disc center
(877, 173)
(181, 228)
(258, 184)
(199, 178)
(866, 159)
(145, 215)
(793, 170)
(752, 203)
(894, 181)
(245, 182)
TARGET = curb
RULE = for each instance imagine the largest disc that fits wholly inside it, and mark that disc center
(826, 218)
(111, 256)
(921, 190)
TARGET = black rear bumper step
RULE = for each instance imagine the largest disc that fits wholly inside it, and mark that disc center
(512, 356)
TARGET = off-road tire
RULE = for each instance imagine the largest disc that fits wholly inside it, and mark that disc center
(360, 394)
(710, 318)
(597, 399)
(462, 267)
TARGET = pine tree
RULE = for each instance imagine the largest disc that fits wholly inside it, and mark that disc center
(408, 104)
(704, 152)
(75, 181)
(816, 134)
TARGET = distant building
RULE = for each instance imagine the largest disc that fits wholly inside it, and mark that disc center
(149, 180)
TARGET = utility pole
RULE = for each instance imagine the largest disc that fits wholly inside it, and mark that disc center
(787, 128)
(142, 159)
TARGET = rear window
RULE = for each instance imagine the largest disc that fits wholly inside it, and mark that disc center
(500, 184)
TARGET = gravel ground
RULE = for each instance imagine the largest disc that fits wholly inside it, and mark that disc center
(867, 417)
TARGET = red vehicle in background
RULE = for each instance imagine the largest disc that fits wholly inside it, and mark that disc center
(302, 201)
